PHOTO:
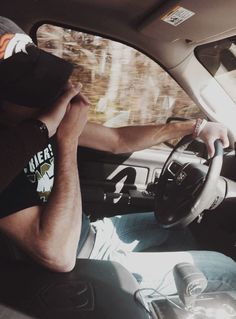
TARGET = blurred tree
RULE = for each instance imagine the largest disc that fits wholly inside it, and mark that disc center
(123, 85)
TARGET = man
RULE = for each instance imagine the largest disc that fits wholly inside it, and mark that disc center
(48, 225)
(41, 208)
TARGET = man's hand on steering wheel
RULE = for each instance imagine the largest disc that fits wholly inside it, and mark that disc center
(211, 132)
(185, 190)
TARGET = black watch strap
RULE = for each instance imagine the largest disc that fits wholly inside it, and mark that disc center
(39, 125)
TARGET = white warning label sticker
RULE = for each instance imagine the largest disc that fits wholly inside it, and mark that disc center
(177, 15)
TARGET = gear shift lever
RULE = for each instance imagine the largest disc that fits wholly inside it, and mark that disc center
(190, 283)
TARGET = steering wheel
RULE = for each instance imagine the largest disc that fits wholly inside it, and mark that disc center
(184, 191)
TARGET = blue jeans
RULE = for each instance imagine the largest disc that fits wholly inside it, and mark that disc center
(125, 238)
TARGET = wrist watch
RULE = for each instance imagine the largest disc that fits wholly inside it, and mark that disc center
(39, 125)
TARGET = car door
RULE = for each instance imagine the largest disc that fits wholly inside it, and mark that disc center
(124, 87)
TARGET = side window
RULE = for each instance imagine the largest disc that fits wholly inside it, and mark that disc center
(124, 86)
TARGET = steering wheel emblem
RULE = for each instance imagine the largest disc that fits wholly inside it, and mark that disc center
(180, 177)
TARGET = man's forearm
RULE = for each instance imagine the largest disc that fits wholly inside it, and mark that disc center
(60, 222)
(132, 138)
(135, 138)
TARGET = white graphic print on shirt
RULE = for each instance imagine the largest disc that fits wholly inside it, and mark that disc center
(40, 171)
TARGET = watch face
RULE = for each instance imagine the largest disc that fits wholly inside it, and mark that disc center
(42, 126)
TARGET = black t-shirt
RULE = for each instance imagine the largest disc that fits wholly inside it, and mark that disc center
(17, 145)
(33, 186)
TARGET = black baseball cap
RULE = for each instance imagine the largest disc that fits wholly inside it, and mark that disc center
(29, 76)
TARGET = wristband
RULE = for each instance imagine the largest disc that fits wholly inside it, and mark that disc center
(199, 125)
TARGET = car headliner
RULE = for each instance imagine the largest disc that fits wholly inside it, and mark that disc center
(136, 22)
